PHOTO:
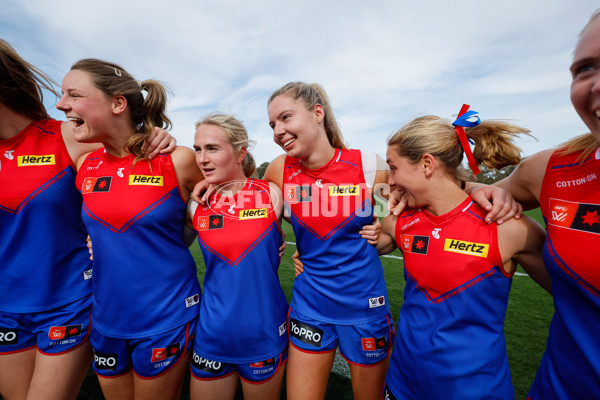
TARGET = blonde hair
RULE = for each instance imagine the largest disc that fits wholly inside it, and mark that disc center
(493, 139)
(586, 144)
(312, 94)
(146, 113)
(237, 136)
(22, 84)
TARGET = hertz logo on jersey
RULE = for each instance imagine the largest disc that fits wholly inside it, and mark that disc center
(469, 248)
(346, 190)
(253, 213)
(26, 161)
(147, 180)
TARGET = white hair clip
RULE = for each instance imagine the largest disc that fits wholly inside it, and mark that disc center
(117, 72)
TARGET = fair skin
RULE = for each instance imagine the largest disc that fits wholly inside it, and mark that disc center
(585, 71)
(300, 132)
(30, 374)
(428, 185)
(525, 183)
(100, 119)
(222, 167)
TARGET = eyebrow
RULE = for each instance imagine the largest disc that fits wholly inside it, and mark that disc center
(584, 60)
(206, 145)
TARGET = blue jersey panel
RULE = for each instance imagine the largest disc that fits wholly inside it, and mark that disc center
(343, 279)
(43, 255)
(144, 275)
(450, 342)
(570, 203)
(243, 311)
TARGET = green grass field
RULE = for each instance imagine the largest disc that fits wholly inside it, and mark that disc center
(527, 320)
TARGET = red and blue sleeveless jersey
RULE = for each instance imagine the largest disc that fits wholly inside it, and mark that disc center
(343, 279)
(243, 311)
(44, 262)
(451, 342)
(144, 275)
(570, 203)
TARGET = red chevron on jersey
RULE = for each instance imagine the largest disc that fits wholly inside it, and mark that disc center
(252, 220)
(28, 166)
(462, 253)
(336, 191)
(570, 202)
(569, 199)
(117, 195)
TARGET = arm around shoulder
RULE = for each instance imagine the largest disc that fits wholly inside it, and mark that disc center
(274, 172)
(523, 241)
(188, 173)
(525, 182)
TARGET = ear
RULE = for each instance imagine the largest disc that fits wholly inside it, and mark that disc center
(242, 154)
(319, 112)
(429, 164)
(119, 104)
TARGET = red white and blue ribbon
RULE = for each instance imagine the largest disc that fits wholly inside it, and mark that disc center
(467, 119)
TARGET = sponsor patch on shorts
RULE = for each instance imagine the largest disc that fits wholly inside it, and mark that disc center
(161, 354)
(374, 344)
(306, 333)
(8, 336)
(213, 367)
(64, 332)
(262, 364)
(105, 361)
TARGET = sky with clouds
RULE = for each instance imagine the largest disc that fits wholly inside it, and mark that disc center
(382, 62)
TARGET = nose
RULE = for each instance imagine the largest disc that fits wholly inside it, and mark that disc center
(596, 84)
(62, 104)
(201, 158)
(390, 180)
(278, 129)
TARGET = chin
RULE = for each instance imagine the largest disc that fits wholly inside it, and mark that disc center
(81, 138)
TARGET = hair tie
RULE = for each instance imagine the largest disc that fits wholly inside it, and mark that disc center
(467, 119)
(143, 89)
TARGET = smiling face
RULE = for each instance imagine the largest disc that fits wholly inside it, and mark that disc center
(405, 176)
(585, 87)
(295, 128)
(86, 106)
(215, 156)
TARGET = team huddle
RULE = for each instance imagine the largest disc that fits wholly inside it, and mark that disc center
(97, 214)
